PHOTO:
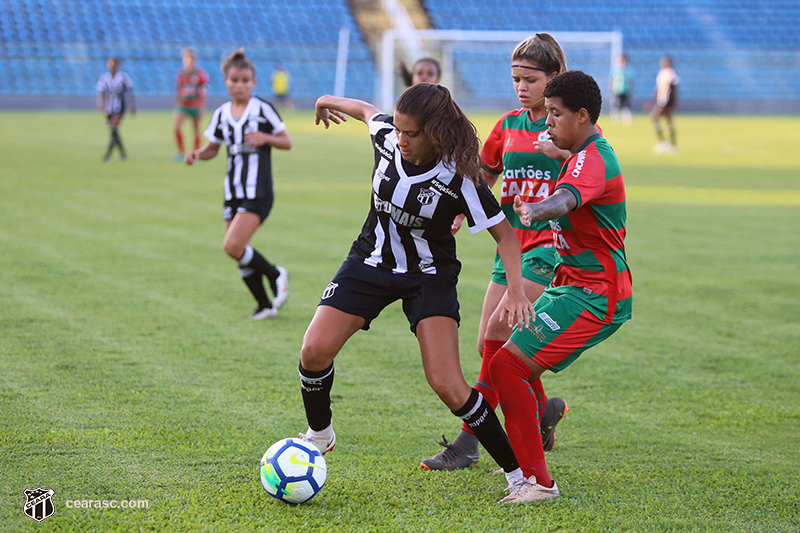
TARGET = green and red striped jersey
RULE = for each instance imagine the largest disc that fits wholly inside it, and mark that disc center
(509, 151)
(590, 240)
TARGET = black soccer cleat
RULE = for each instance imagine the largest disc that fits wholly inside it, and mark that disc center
(461, 453)
(554, 411)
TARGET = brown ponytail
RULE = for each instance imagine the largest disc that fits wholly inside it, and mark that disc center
(453, 136)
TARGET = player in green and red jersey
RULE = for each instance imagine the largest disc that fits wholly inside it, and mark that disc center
(590, 296)
(519, 153)
(191, 99)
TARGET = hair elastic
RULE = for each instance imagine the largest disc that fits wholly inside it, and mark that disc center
(531, 68)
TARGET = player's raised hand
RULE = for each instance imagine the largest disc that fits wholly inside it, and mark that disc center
(191, 157)
(327, 115)
(523, 210)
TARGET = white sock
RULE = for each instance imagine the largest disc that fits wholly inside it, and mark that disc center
(324, 434)
(514, 477)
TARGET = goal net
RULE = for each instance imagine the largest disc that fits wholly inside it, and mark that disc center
(476, 65)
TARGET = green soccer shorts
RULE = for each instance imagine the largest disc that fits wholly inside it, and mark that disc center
(564, 328)
(538, 266)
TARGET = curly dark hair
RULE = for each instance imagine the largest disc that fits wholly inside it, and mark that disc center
(454, 137)
(577, 91)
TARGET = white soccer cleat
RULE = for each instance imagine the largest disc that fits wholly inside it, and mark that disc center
(265, 312)
(528, 490)
(662, 147)
(324, 440)
(282, 283)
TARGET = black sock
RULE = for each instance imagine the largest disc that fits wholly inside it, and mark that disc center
(112, 142)
(482, 420)
(259, 263)
(115, 138)
(255, 283)
(316, 388)
(659, 133)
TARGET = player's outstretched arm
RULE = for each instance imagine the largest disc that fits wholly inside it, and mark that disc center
(206, 152)
(517, 309)
(334, 108)
(557, 205)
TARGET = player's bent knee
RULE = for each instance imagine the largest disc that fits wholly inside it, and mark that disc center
(234, 250)
(315, 355)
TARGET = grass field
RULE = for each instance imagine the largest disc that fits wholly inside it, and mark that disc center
(130, 372)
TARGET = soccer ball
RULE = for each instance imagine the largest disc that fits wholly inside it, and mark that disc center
(293, 471)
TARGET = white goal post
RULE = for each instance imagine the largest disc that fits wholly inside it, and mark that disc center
(476, 64)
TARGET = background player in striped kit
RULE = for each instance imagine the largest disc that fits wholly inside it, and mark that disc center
(426, 168)
(590, 296)
(250, 127)
(114, 95)
(191, 99)
(665, 102)
(519, 152)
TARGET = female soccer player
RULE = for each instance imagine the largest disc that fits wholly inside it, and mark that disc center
(191, 100)
(425, 70)
(250, 127)
(590, 296)
(519, 152)
(114, 91)
(426, 168)
(666, 101)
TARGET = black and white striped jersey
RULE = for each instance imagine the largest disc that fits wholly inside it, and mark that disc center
(408, 226)
(249, 173)
(114, 89)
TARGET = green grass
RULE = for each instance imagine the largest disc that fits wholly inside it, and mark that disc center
(129, 370)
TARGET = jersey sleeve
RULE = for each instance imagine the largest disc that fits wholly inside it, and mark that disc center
(274, 124)
(480, 206)
(378, 122)
(214, 131)
(128, 82)
(492, 151)
(585, 176)
(101, 85)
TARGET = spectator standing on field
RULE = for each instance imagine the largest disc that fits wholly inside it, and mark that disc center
(281, 81)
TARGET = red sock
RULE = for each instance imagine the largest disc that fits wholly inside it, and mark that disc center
(484, 383)
(197, 142)
(541, 397)
(520, 405)
(179, 139)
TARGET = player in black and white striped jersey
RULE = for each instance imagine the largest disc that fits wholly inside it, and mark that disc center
(114, 95)
(426, 168)
(250, 127)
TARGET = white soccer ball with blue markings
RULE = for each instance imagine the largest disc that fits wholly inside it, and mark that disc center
(293, 471)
